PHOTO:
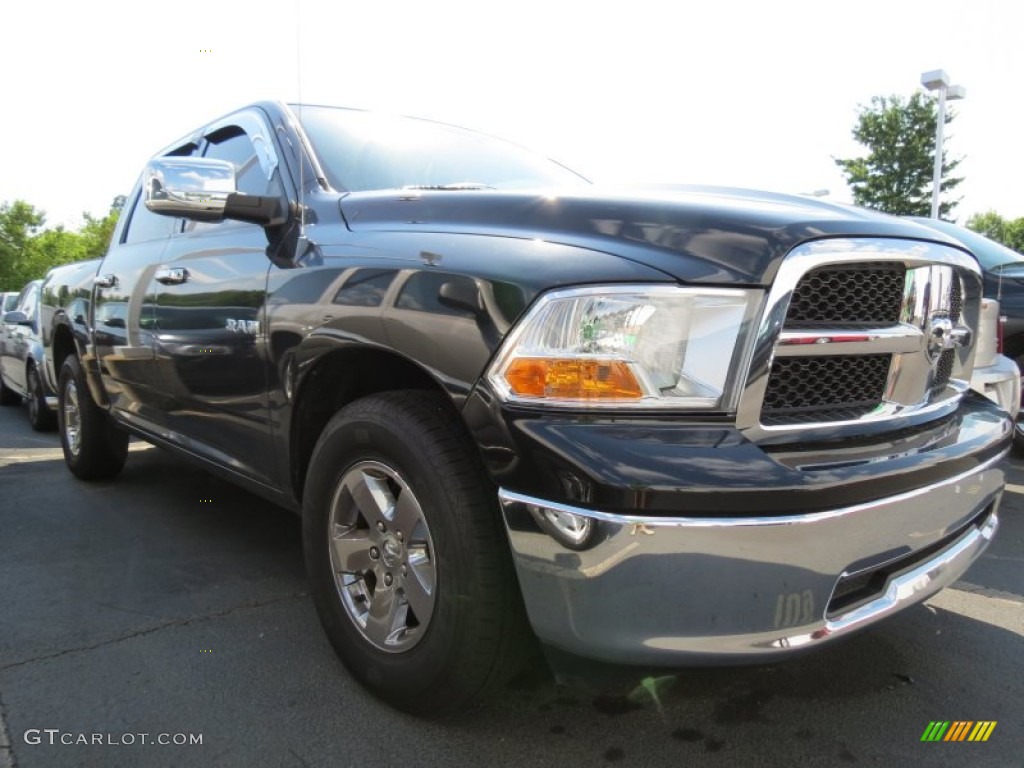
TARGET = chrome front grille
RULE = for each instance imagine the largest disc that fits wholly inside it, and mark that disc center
(862, 331)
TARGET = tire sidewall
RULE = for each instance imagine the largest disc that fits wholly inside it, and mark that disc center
(40, 416)
(102, 448)
(70, 372)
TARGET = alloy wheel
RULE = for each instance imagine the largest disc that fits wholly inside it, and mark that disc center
(382, 556)
(72, 418)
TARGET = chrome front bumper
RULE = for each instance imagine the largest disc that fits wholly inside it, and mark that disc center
(655, 590)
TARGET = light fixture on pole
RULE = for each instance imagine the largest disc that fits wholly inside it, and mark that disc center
(938, 80)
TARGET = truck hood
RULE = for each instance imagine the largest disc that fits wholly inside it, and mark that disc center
(695, 234)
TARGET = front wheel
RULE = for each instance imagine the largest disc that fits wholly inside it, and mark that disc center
(406, 555)
(94, 449)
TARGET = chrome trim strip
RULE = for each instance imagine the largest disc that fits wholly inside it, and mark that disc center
(506, 498)
(896, 340)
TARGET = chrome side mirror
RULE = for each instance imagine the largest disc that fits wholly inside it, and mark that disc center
(191, 187)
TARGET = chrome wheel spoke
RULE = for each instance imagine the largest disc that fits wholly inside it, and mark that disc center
(351, 551)
(407, 514)
(72, 425)
(418, 588)
(386, 618)
(371, 494)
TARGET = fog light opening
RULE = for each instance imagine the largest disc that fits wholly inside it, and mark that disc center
(567, 528)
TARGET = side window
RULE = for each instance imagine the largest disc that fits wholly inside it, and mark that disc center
(422, 292)
(144, 225)
(19, 302)
(365, 288)
(29, 299)
(233, 145)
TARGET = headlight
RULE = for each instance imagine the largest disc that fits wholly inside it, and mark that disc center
(654, 346)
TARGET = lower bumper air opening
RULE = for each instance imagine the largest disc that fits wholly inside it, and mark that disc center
(862, 587)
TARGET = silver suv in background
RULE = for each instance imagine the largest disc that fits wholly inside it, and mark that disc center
(21, 360)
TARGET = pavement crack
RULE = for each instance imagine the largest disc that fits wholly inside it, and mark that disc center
(182, 622)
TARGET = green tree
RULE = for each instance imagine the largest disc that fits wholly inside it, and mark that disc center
(896, 174)
(19, 221)
(50, 248)
(97, 232)
(27, 250)
(1009, 232)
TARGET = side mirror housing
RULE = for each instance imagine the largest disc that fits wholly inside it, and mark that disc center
(203, 189)
(17, 318)
(191, 187)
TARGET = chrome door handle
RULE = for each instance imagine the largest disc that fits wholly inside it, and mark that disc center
(171, 276)
(105, 281)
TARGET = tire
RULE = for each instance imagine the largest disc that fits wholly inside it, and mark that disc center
(1018, 436)
(94, 449)
(40, 416)
(398, 514)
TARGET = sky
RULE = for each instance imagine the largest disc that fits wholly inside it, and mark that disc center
(754, 94)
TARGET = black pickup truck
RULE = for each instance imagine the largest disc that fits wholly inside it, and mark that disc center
(646, 426)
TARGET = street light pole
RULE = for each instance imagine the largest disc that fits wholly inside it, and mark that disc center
(938, 80)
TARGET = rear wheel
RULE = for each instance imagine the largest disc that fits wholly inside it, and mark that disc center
(94, 449)
(40, 416)
(406, 555)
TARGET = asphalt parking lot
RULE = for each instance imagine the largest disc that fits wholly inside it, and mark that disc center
(172, 604)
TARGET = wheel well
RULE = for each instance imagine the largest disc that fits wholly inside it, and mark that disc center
(337, 380)
(63, 345)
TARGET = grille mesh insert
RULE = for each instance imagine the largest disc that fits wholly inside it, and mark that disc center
(834, 388)
(944, 371)
(869, 294)
(956, 301)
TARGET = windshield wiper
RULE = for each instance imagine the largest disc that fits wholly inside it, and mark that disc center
(461, 185)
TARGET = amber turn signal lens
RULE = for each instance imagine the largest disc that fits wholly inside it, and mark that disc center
(563, 379)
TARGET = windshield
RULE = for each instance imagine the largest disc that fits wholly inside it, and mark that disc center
(991, 255)
(363, 151)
